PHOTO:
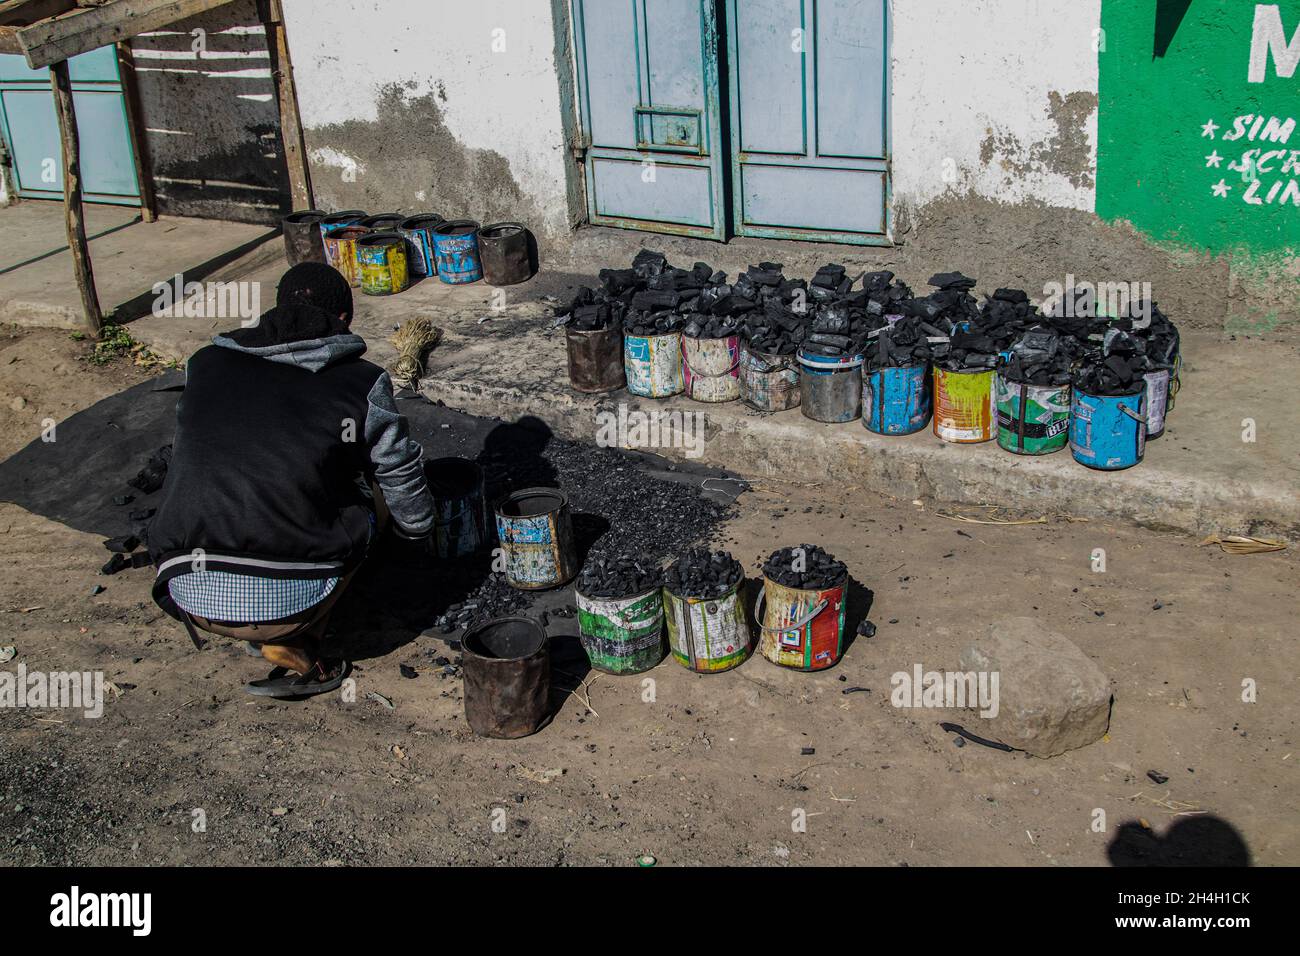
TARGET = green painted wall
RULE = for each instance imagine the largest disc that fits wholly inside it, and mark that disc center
(1158, 163)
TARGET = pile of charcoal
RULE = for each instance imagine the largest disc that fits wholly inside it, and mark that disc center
(1117, 367)
(620, 577)
(975, 336)
(881, 320)
(905, 341)
(1119, 352)
(700, 573)
(492, 598)
(1041, 356)
(774, 313)
(805, 567)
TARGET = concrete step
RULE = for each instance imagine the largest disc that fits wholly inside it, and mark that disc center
(1200, 477)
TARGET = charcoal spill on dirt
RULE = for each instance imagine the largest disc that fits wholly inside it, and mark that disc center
(623, 517)
(619, 577)
(700, 573)
(807, 566)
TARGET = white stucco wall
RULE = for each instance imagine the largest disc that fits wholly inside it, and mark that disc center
(490, 63)
(972, 82)
(963, 72)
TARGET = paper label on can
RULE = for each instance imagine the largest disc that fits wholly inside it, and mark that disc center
(653, 365)
(532, 549)
(709, 633)
(710, 368)
(1157, 400)
(622, 633)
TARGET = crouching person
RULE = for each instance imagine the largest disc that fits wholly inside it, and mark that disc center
(289, 458)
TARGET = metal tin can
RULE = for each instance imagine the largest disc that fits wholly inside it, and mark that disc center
(418, 231)
(503, 249)
(801, 628)
(653, 364)
(536, 534)
(302, 236)
(595, 359)
(383, 221)
(1108, 432)
(830, 386)
(708, 635)
(507, 669)
(341, 251)
(963, 405)
(896, 400)
(768, 382)
(622, 635)
(348, 217)
(1032, 419)
(1158, 395)
(455, 248)
(459, 510)
(710, 369)
(381, 259)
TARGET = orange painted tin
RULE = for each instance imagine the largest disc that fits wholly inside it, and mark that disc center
(964, 408)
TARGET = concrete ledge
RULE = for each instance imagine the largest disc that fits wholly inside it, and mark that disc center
(1199, 477)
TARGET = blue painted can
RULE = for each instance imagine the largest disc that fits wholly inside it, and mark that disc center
(1108, 432)
(418, 231)
(896, 401)
(460, 525)
(455, 249)
(536, 535)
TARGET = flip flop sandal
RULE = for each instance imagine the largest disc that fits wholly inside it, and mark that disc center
(282, 685)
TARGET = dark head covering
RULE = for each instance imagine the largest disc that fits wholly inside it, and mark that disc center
(309, 301)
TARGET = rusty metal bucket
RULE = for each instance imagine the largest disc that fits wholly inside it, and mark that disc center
(302, 238)
(596, 359)
(503, 249)
(507, 668)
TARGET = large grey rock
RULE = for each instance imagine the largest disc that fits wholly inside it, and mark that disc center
(1051, 697)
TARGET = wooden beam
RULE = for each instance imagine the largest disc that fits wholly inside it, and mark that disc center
(291, 136)
(135, 126)
(72, 211)
(26, 12)
(89, 28)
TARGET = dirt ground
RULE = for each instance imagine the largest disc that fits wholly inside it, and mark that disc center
(704, 770)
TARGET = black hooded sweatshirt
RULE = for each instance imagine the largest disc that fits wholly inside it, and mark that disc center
(271, 442)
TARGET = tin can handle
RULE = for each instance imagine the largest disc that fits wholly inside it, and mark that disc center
(808, 618)
(1142, 419)
(687, 363)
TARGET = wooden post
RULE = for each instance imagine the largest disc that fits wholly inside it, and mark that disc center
(135, 126)
(72, 211)
(291, 138)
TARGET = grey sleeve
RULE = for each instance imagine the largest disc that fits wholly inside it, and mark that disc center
(396, 458)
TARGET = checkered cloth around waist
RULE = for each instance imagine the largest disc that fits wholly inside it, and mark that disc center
(245, 599)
